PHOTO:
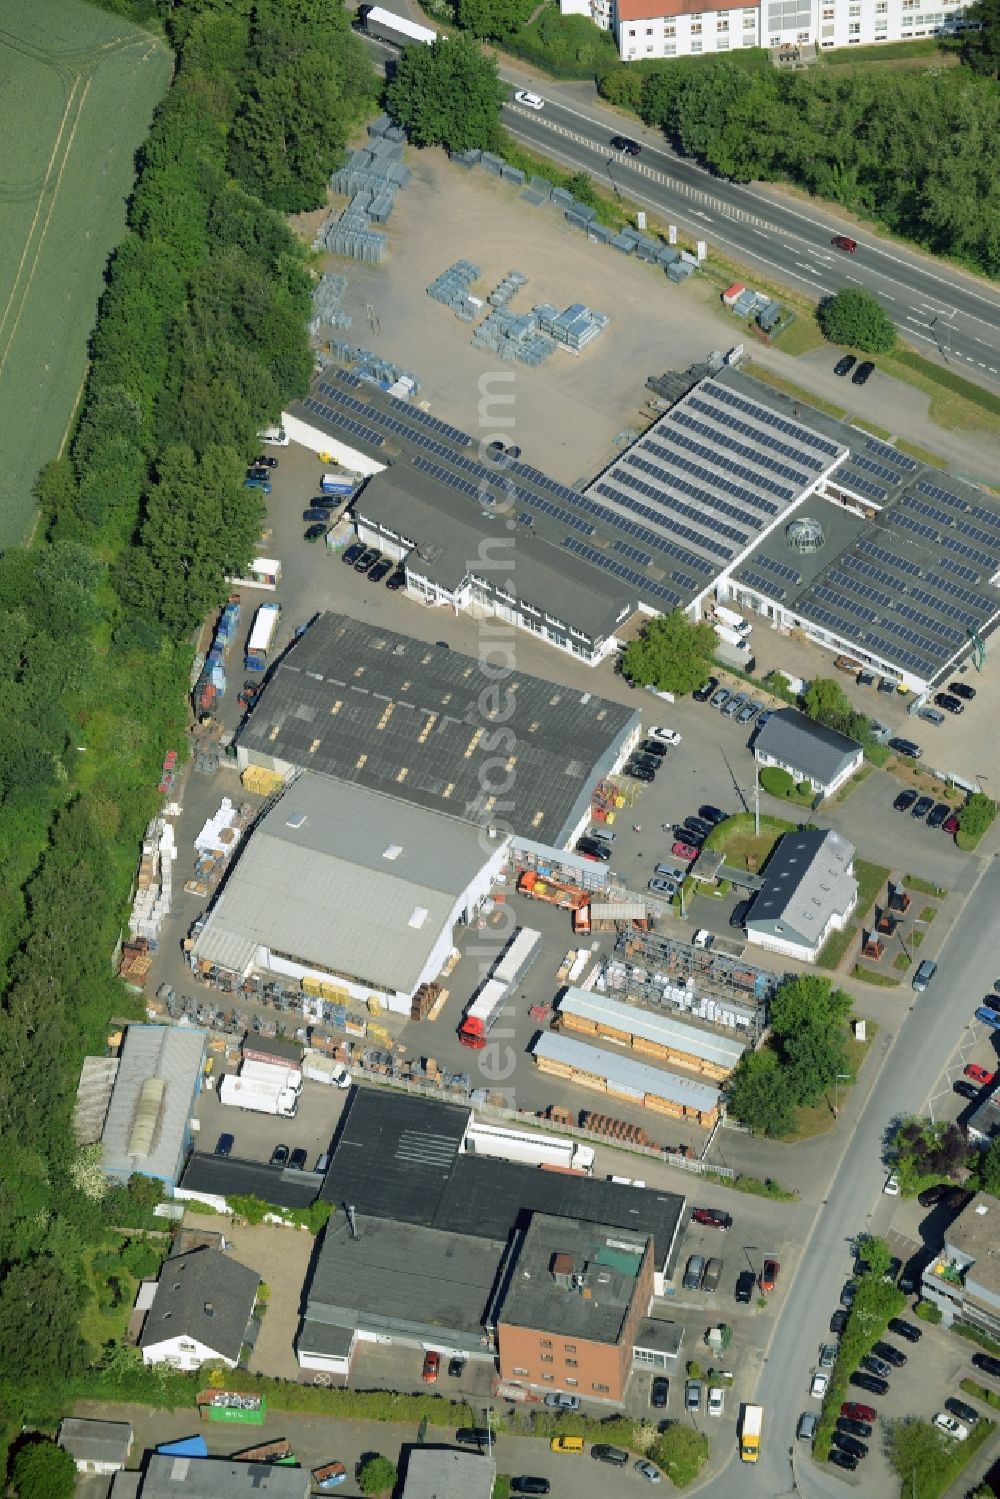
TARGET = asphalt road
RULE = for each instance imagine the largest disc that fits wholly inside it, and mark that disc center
(967, 968)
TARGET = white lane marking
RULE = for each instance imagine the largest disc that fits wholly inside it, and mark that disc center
(855, 279)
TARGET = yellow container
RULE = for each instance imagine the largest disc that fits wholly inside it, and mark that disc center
(312, 986)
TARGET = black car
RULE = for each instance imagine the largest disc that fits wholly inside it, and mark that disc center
(224, 1145)
(962, 689)
(397, 581)
(313, 533)
(367, 560)
(603, 1452)
(988, 1364)
(838, 1321)
(905, 800)
(905, 1330)
(382, 567)
(711, 815)
(921, 806)
(690, 835)
(865, 679)
(880, 1367)
(528, 1485)
(704, 692)
(696, 825)
(626, 145)
(263, 461)
(651, 762)
(937, 815)
(961, 1410)
(279, 1155)
(740, 912)
(354, 551)
(456, 1367)
(906, 747)
(659, 1390)
(848, 1294)
(892, 1355)
(949, 703)
(592, 849)
(853, 1428)
(842, 1459)
(850, 1444)
(965, 1089)
(845, 365)
(863, 373)
(744, 1287)
(472, 1436)
(653, 747)
(258, 473)
(639, 772)
(315, 513)
(297, 1159)
(870, 1382)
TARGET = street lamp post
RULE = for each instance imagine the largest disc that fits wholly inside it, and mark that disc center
(611, 179)
(841, 1077)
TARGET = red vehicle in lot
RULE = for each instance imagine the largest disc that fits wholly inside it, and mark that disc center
(685, 851)
(712, 1217)
(769, 1275)
(979, 1074)
(431, 1369)
(856, 1412)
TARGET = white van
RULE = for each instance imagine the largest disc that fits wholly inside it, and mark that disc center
(275, 437)
(732, 619)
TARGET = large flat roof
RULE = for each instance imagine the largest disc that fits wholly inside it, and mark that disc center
(226, 1176)
(343, 877)
(625, 1074)
(146, 1127)
(573, 1279)
(653, 1025)
(441, 1473)
(976, 1232)
(380, 710)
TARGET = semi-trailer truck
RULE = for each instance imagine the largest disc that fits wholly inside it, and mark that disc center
(750, 1431)
(397, 30)
(263, 1089)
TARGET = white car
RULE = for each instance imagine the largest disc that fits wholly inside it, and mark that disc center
(530, 101)
(716, 1400)
(891, 1188)
(650, 1473)
(950, 1426)
(819, 1385)
(665, 736)
(341, 1076)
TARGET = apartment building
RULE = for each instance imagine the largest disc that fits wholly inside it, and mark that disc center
(964, 1279)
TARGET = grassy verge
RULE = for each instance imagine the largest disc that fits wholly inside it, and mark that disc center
(737, 840)
(854, 783)
(754, 1186)
(901, 962)
(930, 52)
(871, 879)
(928, 914)
(955, 401)
(798, 392)
(966, 1330)
(988, 1397)
(501, 1486)
(832, 952)
(925, 887)
(870, 976)
(924, 455)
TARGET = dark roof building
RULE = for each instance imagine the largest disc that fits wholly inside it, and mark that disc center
(392, 714)
(807, 750)
(217, 1178)
(983, 1125)
(96, 1446)
(201, 1311)
(442, 1473)
(809, 891)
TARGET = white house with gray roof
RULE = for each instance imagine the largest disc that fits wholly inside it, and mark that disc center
(201, 1311)
(807, 750)
(352, 888)
(809, 892)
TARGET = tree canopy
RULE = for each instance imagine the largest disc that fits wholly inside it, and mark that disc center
(981, 38)
(806, 1055)
(920, 1456)
(448, 94)
(672, 654)
(43, 1470)
(857, 318)
(924, 1151)
(977, 815)
(378, 1475)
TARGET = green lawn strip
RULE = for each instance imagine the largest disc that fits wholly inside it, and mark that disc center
(988, 1397)
(754, 1186)
(901, 962)
(835, 946)
(870, 976)
(925, 887)
(973, 1334)
(884, 53)
(857, 1339)
(871, 880)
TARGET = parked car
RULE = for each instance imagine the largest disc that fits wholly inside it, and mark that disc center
(649, 1471)
(695, 824)
(667, 888)
(842, 1459)
(769, 1275)
(638, 772)
(653, 747)
(749, 711)
(806, 1429)
(950, 825)
(713, 1274)
(396, 580)
(863, 373)
(693, 1272)
(263, 461)
(735, 703)
(949, 702)
(865, 678)
(819, 1384)
(603, 1452)
(847, 1443)
(651, 762)
(904, 801)
(659, 1392)
(224, 1145)
(529, 1485)
(716, 1400)
(838, 1321)
(712, 815)
(692, 1395)
(891, 1187)
(907, 1330)
(869, 1382)
(744, 1287)
(675, 870)
(382, 567)
(314, 532)
(721, 698)
(872, 1364)
(315, 513)
(828, 1355)
(279, 1155)
(856, 1412)
(962, 1410)
(668, 736)
(887, 1351)
(906, 747)
(684, 851)
(626, 145)
(922, 806)
(988, 1016)
(951, 1426)
(368, 559)
(848, 1294)
(432, 1367)
(712, 1218)
(854, 1428)
(738, 915)
(966, 1090)
(925, 972)
(592, 848)
(845, 365)
(931, 1196)
(456, 1367)
(937, 814)
(962, 689)
(474, 1436)
(979, 1074)
(704, 692)
(557, 1401)
(298, 1158)
(354, 551)
(988, 1364)
(688, 835)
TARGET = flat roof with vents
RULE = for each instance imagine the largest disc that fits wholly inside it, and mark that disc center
(147, 1124)
(392, 714)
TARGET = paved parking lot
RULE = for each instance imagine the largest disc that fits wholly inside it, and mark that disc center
(256, 1135)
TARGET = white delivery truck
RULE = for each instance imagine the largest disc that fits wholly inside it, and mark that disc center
(733, 637)
(732, 619)
(259, 1095)
(274, 437)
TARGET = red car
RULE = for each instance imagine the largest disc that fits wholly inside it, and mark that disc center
(844, 242)
(712, 1218)
(685, 851)
(769, 1275)
(950, 825)
(431, 1369)
(979, 1074)
(855, 1412)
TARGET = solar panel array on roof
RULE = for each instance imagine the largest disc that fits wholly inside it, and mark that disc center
(767, 417)
(626, 550)
(881, 554)
(721, 460)
(707, 543)
(627, 574)
(959, 570)
(700, 472)
(880, 471)
(883, 450)
(356, 429)
(861, 485)
(737, 534)
(754, 580)
(415, 414)
(780, 569)
(732, 446)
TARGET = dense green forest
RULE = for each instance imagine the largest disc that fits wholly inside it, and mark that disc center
(200, 340)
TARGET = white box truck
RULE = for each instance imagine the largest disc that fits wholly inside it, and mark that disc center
(259, 1096)
(732, 619)
(733, 637)
(266, 1072)
(527, 1147)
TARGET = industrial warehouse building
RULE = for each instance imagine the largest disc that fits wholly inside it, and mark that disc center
(809, 892)
(737, 491)
(147, 1130)
(351, 888)
(650, 1033)
(623, 1077)
(422, 1248)
(456, 735)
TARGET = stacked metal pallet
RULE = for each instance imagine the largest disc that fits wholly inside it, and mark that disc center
(452, 289)
(514, 336)
(371, 179)
(575, 328)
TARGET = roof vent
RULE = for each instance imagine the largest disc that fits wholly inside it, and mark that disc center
(393, 851)
(295, 820)
(805, 535)
(209, 1309)
(418, 918)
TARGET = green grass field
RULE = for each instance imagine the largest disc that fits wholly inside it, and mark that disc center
(77, 90)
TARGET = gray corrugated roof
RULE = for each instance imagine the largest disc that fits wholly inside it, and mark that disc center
(95, 1441)
(176, 1055)
(652, 1025)
(203, 1295)
(806, 880)
(437, 1474)
(221, 1478)
(818, 754)
(331, 892)
(625, 1073)
(380, 710)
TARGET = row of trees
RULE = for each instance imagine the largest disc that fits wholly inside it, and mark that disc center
(868, 139)
(200, 340)
(805, 1054)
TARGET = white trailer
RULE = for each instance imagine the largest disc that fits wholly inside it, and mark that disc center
(397, 30)
(733, 637)
(317, 1067)
(261, 636)
(259, 1097)
(527, 1148)
(269, 1072)
(732, 619)
(519, 955)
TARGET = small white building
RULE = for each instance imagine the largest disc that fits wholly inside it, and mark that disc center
(808, 750)
(201, 1311)
(96, 1446)
(809, 892)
